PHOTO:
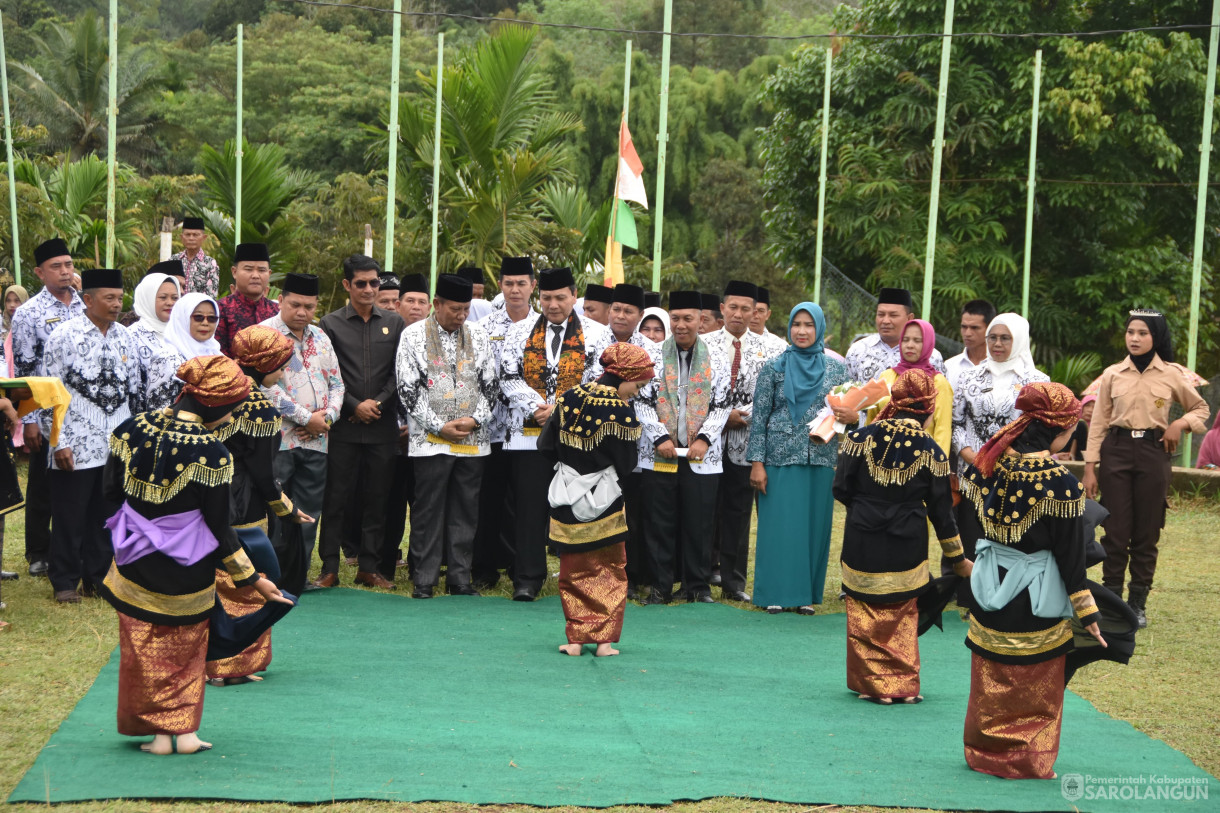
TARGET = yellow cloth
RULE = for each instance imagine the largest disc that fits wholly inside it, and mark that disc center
(48, 393)
(941, 429)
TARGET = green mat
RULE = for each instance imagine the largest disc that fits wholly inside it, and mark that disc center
(375, 696)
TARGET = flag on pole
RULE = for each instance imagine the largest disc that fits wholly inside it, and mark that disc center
(628, 186)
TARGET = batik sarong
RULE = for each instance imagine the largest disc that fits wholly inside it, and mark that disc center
(161, 677)
(883, 648)
(593, 587)
(1014, 717)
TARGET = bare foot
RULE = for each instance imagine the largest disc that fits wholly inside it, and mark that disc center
(884, 701)
(910, 701)
(161, 745)
(605, 650)
(191, 744)
(574, 650)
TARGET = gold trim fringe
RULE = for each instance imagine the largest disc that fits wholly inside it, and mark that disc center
(1007, 533)
(167, 489)
(593, 440)
(886, 475)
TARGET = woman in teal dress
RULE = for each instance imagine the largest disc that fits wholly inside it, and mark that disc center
(792, 474)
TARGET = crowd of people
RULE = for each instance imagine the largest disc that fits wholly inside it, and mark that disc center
(634, 440)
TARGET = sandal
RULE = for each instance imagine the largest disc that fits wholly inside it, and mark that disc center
(775, 609)
(911, 701)
(808, 609)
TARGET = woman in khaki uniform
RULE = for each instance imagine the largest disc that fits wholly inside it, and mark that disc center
(1133, 439)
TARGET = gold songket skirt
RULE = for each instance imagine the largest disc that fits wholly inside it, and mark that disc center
(593, 587)
(238, 602)
(883, 648)
(1014, 717)
(161, 677)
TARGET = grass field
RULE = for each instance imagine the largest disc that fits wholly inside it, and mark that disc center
(50, 655)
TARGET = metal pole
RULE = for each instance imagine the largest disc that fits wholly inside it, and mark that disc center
(237, 191)
(1031, 184)
(627, 82)
(1205, 154)
(662, 138)
(436, 151)
(392, 169)
(8, 149)
(938, 148)
(112, 111)
(817, 262)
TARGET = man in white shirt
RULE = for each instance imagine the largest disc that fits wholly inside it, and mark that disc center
(976, 316)
(867, 358)
(758, 324)
(480, 308)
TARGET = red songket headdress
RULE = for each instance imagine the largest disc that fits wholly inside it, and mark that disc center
(912, 391)
(1045, 402)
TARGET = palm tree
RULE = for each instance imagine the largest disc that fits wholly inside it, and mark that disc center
(66, 89)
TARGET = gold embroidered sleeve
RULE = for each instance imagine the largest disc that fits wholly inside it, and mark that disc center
(283, 506)
(952, 548)
(239, 567)
(1083, 604)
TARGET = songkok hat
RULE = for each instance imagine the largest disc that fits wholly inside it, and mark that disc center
(1045, 402)
(599, 293)
(628, 362)
(628, 294)
(454, 288)
(251, 253)
(413, 284)
(552, 279)
(389, 282)
(913, 391)
(895, 296)
(303, 284)
(472, 273)
(172, 267)
(710, 302)
(214, 381)
(737, 287)
(192, 223)
(510, 266)
(51, 248)
(764, 296)
(101, 278)
(652, 299)
(685, 300)
(261, 347)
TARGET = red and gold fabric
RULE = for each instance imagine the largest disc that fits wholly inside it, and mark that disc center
(593, 589)
(1014, 718)
(161, 677)
(238, 602)
(883, 648)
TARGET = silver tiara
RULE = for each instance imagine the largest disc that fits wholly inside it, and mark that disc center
(1144, 312)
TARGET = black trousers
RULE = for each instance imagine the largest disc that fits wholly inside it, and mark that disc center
(680, 511)
(348, 465)
(38, 506)
(401, 497)
(444, 517)
(531, 473)
(734, 502)
(1134, 479)
(493, 541)
(637, 569)
(81, 550)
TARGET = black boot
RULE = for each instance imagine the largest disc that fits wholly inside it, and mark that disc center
(1137, 597)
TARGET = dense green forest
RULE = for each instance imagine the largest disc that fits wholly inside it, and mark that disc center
(529, 139)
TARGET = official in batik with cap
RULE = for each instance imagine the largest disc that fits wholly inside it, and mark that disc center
(709, 319)
(446, 382)
(248, 304)
(95, 358)
(542, 359)
(877, 352)
(202, 272)
(597, 302)
(31, 326)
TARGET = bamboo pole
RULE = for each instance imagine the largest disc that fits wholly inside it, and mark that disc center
(8, 150)
(237, 191)
(614, 200)
(938, 148)
(817, 260)
(1205, 154)
(662, 138)
(627, 82)
(436, 151)
(392, 168)
(1031, 183)
(111, 118)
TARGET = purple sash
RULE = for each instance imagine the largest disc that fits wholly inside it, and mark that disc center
(184, 537)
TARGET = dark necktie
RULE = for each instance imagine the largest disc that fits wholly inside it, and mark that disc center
(556, 339)
(736, 364)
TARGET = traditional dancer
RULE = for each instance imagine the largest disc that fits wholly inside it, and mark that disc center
(893, 478)
(591, 439)
(172, 477)
(1028, 581)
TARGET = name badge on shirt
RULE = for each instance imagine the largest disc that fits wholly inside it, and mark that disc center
(53, 320)
(386, 331)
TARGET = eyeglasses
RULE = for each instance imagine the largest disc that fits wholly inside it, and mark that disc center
(203, 318)
(1000, 339)
(366, 283)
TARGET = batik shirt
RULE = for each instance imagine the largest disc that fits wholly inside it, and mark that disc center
(418, 375)
(202, 274)
(869, 357)
(774, 345)
(236, 313)
(774, 439)
(497, 326)
(100, 373)
(32, 325)
(156, 387)
(522, 399)
(311, 382)
(980, 409)
(741, 393)
(712, 429)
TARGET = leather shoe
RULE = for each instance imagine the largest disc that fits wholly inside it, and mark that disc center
(655, 596)
(38, 568)
(736, 595)
(422, 591)
(525, 594)
(374, 580)
(701, 598)
(325, 580)
(67, 597)
(462, 590)
(716, 578)
(9, 575)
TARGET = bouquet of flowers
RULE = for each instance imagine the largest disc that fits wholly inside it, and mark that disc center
(854, 396)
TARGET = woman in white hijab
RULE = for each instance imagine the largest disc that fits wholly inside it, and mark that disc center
(153, 301)
(192, 327)
(654, 324)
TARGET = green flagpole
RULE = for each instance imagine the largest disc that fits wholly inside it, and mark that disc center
(1031, 184)
(111, 116)
(237, 191)
(627, 81)
(662, 138)
(817, 261)
(392, 169)
(436, 151)
(938, 148)
(1205, 154)
(8, 150)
